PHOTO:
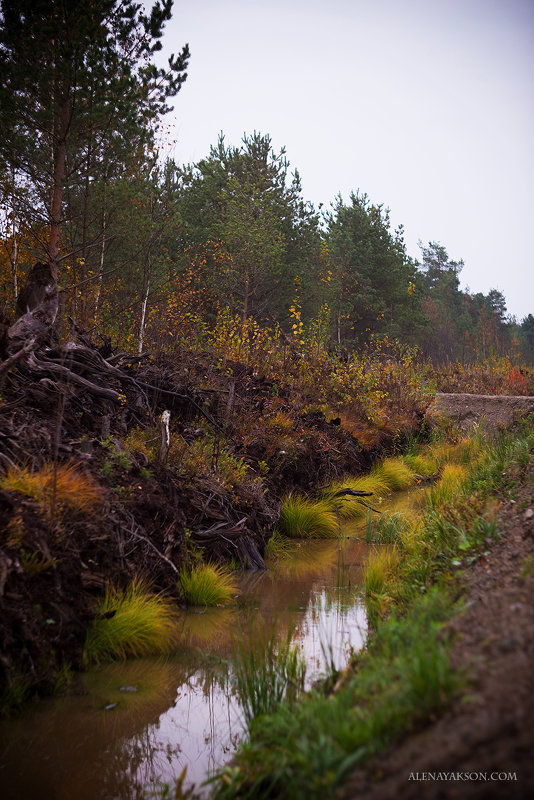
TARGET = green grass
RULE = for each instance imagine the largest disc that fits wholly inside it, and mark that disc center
(278, 546)
(206, 585)
(301, 518)
(130, 622)
(422, 465)
(378, 565)
(391, 528)
(267, 674)
(304, 751)
(450, 487)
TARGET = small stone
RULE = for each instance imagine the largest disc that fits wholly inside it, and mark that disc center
(515, 553)
(128, 688)
(529, 513)
(110, 706)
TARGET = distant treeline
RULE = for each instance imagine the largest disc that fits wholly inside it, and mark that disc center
(131, 238)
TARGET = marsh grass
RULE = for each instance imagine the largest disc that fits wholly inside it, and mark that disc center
(391, 528)
(267, 673)
(450, 487)
(130, 622)
(54, 486)
(395, 474)
(423, 465)
(304, 751)
(350, 507)
(301, 518)
(278, 547)
(206, 585)
(380, 564)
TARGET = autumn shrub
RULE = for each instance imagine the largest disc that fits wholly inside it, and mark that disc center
(206, 585)
(130, 622)
(301, 518)
(54, 486)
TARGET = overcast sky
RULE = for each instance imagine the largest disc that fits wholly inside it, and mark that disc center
(425, 105)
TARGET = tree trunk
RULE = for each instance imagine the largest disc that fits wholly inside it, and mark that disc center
(57, 192)
(143, 314)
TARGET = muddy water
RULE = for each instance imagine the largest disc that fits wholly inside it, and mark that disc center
(128, 728)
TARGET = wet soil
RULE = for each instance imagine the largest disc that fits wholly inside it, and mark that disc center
(490, 728)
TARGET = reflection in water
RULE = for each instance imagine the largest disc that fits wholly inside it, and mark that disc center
(133, 725)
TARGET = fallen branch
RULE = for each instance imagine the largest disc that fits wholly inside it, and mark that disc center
(8, 363)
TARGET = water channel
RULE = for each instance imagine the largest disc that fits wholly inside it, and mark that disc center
(129, 727)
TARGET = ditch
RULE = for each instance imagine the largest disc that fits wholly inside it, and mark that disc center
(131, 727)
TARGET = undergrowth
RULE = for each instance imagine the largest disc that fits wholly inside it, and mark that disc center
(54, 486)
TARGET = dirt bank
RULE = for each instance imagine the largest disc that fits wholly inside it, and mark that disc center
(490, 728)
(239, 443)
(490, 411)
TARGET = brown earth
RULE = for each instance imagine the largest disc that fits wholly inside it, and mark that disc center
(490, 411)
(490, 728)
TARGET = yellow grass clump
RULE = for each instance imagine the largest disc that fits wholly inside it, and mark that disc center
(59, 485)
(450, 486)
(349, 507)
(379, 567)
(301, 518)
(206, 585)
(395, 473)
(131, 622)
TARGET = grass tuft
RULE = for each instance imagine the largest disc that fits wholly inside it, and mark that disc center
(206, 585)
(62, 485)
(267, 675)
(301, 518)
(395, 473)
(380, 564)
(349, 507)
(423, 465)
(130, 622)
(392, 528)
(449, 488)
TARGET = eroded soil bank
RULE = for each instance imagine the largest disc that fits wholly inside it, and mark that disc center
(239, 443)
(489, 730)
(491, 412)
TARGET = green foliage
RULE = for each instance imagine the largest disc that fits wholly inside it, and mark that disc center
(206, 585)
(301, 518)
(79, 86)
(130, 622)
